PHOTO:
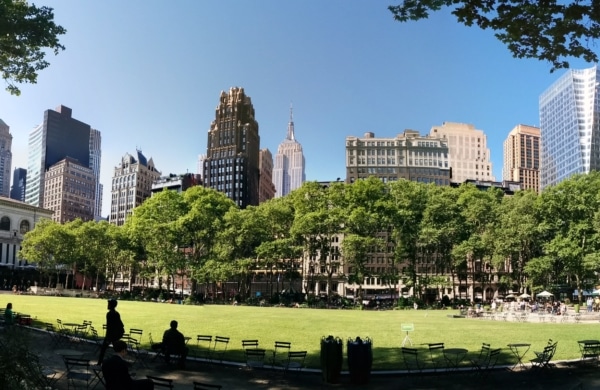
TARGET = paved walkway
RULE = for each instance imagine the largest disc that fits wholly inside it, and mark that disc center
(565, 376)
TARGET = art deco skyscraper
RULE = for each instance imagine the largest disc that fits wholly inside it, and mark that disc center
(266, 189)
(5, 159)
(467, 151)
(288, 172)
(522, 157)
(569, 126)
(231, 165)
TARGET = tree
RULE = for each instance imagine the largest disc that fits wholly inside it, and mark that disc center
(549, 30)
(25, 31)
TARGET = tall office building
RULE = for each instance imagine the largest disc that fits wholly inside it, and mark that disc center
(5, 159)
(131, 185)
(231, 164)
(58, 137)
(19, 183)
(569, 129)
(469, 156)
(69, 191)
(95, 159)
(288, 172)
(522, 157)
(266, 189)
(409, 156)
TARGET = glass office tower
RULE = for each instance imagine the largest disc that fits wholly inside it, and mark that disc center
(569, 126)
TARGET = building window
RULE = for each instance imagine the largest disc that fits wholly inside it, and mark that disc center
(5, 223)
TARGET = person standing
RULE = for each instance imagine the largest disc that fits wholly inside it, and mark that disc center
(114, 328)
(116, 371)
(590, 303)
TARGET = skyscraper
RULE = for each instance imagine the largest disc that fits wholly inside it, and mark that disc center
(19, 183)
(95, 159)
(288, 172)
(522, 157)
(570, 134)
(467, 151)
(131, 185)
(231, 164)
(266, 189)
(58, 137)
(5, 159)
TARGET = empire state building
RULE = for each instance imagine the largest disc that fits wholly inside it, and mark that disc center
(288, 172)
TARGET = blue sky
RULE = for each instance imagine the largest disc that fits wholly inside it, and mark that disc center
(148, 74)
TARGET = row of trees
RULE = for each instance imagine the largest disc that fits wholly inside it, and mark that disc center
(426, 232)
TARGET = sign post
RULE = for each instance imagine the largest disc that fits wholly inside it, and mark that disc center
(407, 328)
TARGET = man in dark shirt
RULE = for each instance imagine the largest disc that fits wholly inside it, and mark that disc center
(116, 371)
(114, 328)
(173, 343)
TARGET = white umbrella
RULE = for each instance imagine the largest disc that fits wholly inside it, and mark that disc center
(524, 295)
(545, 294)
(509, 296)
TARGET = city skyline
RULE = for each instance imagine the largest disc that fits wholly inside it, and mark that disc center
(150, 81)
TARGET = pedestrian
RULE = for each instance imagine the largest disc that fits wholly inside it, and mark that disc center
(114, 328)
(590, 304)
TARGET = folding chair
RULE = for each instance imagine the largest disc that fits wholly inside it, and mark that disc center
(543, 359)
(488, 363)
(136, 334)
(483, 353)
(249, 344)
(280, 346)
(203, 346)
(56, 338)
(140, 356)
(157, 348)
(295, 361)
(206, 386)
(77, 370)
(219, 348)
(96, 340)
(411, 360)
(161, 382)
(436, 353)
(255, 357)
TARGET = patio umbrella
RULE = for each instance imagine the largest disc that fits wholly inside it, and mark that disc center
(595, 293)
(524, 295)
(509, 296)
(545, 294)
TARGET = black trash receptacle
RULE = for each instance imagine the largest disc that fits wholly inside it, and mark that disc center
(360, 360)
(331, 359)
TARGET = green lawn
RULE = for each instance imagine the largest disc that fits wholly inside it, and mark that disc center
(304, 328)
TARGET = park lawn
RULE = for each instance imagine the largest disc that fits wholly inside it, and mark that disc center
(304, 328)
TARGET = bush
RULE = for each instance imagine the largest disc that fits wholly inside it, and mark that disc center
(19, 368)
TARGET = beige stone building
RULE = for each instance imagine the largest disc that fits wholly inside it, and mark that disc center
(468, 152)
(407, 156)
(266, 188)
(69, 190)
(131, 185)
(522, 157)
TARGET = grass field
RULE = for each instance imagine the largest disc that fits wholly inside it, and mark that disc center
(304, 328)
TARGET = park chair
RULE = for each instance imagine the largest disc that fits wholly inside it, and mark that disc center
(543, 359)
(411, 360)
(484, 366)
(219, 348)
(136, 334)
(281, 348)
(203, 346)
(483, 353)
(88, 324)
(140, 355)
(436, 354)
(249, 344)
(56, 339)
(77, 370)
(161, 382)
(295, 361)
(255, 357)
(206, 386)
(95, 339)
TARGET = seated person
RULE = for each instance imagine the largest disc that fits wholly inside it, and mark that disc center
(116, 371)
(9, 317)
(173, 343)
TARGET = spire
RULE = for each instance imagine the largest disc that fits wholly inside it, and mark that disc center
(290, 132)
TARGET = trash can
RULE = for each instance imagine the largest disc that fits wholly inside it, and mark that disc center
(331, 359)
(360, 360)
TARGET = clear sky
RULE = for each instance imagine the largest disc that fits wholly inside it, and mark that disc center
(148, 74)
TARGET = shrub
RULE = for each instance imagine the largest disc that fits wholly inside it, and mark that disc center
(19, 368)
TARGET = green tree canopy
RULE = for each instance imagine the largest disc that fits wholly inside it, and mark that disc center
(549, 30)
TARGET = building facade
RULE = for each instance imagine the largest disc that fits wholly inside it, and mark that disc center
(5, 159)
(131, 185)
(232, 158)
(95, 160)
(178, 183)
(19, 183)
(69, 191)
(408, 156)
(569, 129)
(289, 170)
(469, 156)
(266, 188)
(58, 137)
(16, 219)
(522, 157)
